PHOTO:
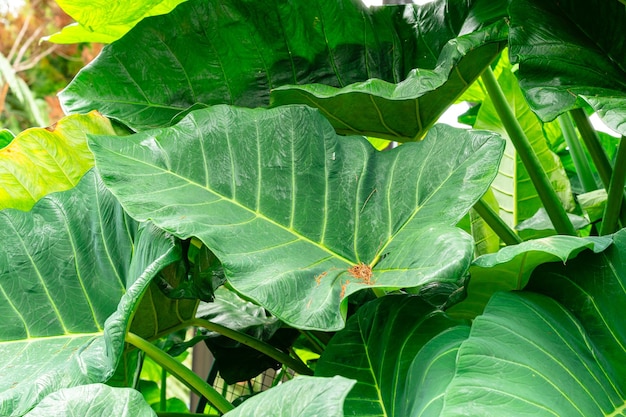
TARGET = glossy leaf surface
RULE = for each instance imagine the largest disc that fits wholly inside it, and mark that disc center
(377, 348)
(510, 268)
(528, 355)
(106, 21)
(568, 49)
(593, 289)
(235, 52)
(302, 396)
(95, 400)
(72, 270)
(40, 161)
(299, 216)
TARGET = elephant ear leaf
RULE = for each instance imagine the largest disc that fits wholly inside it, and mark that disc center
(295, 212)
(568, 50)
(354, 63)
(72, 270)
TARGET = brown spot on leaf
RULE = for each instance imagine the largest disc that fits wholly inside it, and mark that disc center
(318, 278)
(362, 272)
(343, 288)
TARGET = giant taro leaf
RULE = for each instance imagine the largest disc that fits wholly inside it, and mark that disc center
(40, 161)
(72, 271)
(235, 52)
(377, 348)
(593, 287)
(528, 355)
(568, 49)
(300, 217)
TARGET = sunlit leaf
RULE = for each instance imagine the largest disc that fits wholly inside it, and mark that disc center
(40, 161)
(300, 217)
(106, 21)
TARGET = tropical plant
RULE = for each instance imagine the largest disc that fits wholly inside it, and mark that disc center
(234, 190)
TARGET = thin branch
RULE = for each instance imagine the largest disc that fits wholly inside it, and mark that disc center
(19, 38)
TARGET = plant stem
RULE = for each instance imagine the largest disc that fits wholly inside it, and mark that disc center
(163, 392)
(295, 364)
(181, 372)
(496, 223)
(598, 156)
(616, 191)
(579, 158)
(592, 142)
(550, 200)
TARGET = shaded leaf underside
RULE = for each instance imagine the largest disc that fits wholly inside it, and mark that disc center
(236, 52)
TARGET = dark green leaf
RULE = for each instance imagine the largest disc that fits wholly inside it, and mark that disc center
(6, 136)
(377, 348)
(571, 49)
(235, 52)
(592, 287)
(300, 217)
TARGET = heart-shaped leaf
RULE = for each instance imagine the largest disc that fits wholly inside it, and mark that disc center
(41, 161)
(300, 217)
(236, 52)
(568, 49)
(72, 271)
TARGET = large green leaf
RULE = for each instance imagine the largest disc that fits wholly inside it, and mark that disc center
(510, 268)
(593, 288)
(512, 187)
(528, 355)
(72, 271)
(106, 21)
(377, 348)
(567, 49)
(235, 52)
(41, 161)
(94, 400)
(299, 216)
(302, 396)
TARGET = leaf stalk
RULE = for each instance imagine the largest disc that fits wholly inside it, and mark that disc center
(495, 222)
(616, 191)
(583, 170)
(181, 372)
(550, 200)
(295, 364)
